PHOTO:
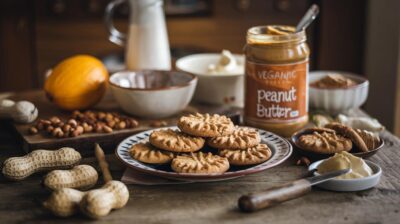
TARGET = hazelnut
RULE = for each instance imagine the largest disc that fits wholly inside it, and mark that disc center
(45, 122)
(158, 124)
(49, 129)
(79, 129)
(111, 123)
(55, 120)
(59, 124)
(101, 115)
(90, 115)
(33, 130)
(121, 125)
(87, 128)
(40, 126)
(66, 128)
(131, 123)
(98, 128)
(72, 123)
(57, 132)
(76, 113)
(73, 133)
(109, 117)
(107, 129)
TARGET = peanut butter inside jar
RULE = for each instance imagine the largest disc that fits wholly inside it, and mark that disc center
(276, 94)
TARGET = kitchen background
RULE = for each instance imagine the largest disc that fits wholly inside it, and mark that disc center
(359, 36)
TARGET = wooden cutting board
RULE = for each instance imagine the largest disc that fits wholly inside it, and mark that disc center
(85, 143)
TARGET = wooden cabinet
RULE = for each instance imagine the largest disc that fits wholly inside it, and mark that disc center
(17, 46)
(35, 35)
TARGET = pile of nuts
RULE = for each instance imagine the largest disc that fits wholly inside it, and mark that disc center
(84, 122)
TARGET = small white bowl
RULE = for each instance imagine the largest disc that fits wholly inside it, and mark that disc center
(152, 93)
(350, 184)
(221, 89)
(335, 101)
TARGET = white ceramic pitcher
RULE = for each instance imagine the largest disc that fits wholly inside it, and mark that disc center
(146, 43)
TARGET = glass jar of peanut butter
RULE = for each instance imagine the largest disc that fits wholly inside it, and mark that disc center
(276, 92)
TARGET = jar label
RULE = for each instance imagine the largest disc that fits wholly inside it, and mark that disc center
(276, 93)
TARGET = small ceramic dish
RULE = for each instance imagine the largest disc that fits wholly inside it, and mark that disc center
(152, 93)
(350, 184)
(214, 89)
(337, 100)
(317, 156)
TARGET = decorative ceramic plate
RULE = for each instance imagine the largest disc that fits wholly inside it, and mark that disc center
(280, 147)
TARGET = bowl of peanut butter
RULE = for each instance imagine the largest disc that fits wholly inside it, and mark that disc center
(335, 92)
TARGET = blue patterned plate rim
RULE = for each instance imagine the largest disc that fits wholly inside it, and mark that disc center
(280, 147)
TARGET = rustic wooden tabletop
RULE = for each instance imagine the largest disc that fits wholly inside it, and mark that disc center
(216, 202)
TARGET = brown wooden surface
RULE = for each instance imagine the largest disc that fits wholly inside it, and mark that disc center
(216, 202)
(84, 143)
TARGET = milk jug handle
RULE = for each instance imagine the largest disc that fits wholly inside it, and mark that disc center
(115, 36)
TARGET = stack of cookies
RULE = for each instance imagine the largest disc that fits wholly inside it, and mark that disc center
(336, 138)
(186, 149)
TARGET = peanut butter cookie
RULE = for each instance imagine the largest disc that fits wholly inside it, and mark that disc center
(241, 138)
(175, 141)
(145, 152)
(324, 143)
(201, 163)
(371, 140)
(250, 156)
(349, 133)
(206, 125)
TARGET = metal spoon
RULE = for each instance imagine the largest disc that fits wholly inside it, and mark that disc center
(310, 15)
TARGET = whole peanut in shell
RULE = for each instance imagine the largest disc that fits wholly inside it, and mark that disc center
(99, 202)
(18, 168)
(64, 202)
(80, 177)
(94, 203)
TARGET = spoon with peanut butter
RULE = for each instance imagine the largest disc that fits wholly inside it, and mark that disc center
(307, 19)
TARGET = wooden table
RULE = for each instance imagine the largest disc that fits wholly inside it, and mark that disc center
(20, 202)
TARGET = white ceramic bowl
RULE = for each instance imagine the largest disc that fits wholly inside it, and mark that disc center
(351, 184)
(335, 101)
(151, 93)
(218, 89)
